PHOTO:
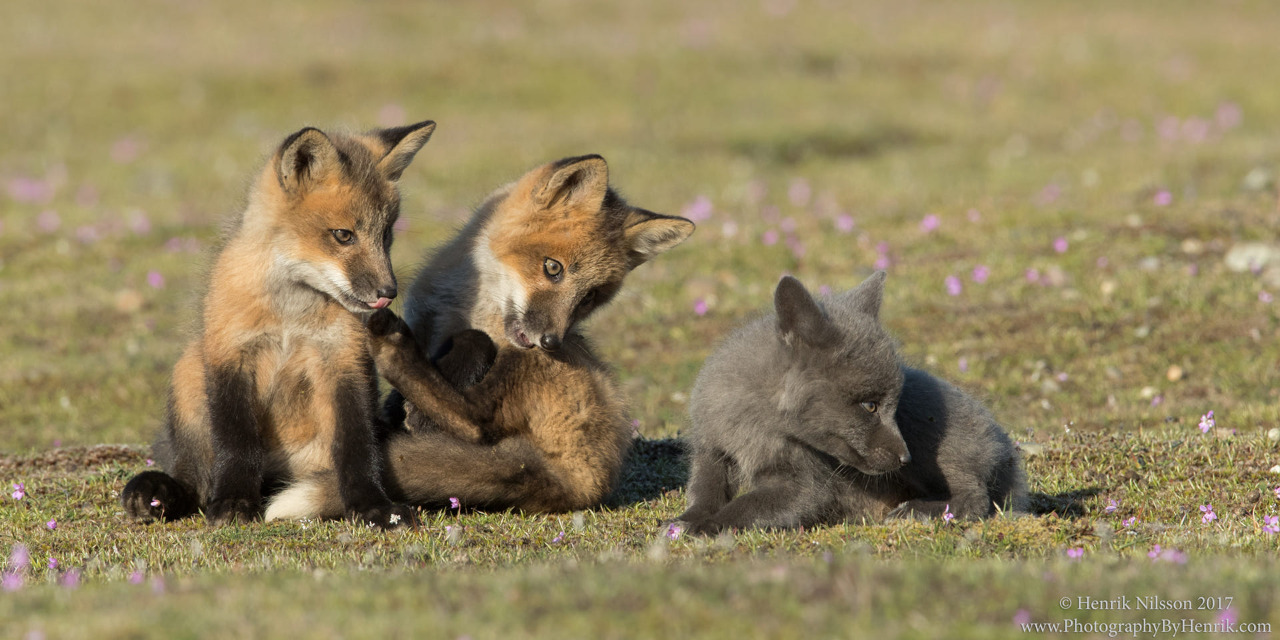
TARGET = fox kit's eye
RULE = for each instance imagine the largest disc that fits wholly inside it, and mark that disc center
(553, 269)
(871, 407)
(343, 236)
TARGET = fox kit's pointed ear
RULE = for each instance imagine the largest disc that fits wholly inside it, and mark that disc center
(799, 316)
(648, 234)
(402, 145)
(305, 159)
(579, 182)
(866, 297)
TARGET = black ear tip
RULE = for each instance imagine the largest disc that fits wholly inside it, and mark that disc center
(789, 289)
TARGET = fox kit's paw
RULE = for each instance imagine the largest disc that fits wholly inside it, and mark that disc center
(391, 342)
(228, 510)
(386, 516)
(921, 510)
(153, 495)
(695, 525)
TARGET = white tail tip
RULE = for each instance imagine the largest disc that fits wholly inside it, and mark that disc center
(297, 502)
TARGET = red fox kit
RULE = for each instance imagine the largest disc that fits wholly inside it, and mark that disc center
(280, 382)
(543, 429)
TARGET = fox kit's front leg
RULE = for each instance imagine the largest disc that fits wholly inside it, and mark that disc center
(236, 491)
(356, 455)
(403, 365)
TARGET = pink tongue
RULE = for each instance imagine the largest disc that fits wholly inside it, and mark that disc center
(381, 303)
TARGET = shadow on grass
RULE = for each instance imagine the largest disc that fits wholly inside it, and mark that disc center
(1068, 504)
(652, 468)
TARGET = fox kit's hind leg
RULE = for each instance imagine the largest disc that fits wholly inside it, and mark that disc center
(710, 486)
(779, 499)
(425, 386)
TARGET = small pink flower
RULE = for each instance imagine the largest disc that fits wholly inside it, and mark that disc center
(126, 149)
(1076, 553)
(1228, 618)
(698, 210)
(1154, 552)
(1033, 275)
(155, 279)
(700, 307)
(558, 539)
(673, 531)
(824, 289)
(1101, 262)
(30, 190)
(454, 503)
(1209, 515)
(52, 524)
(844, 223)
(70, 579)
(48, 221)
(1111, 507)
(1207, 422)
(1174, 556)
(1271, 524)
(1060, 244)
(1265, 297)
(1049, 194)
(150, 462)
(19, 491)
(136, 577)
(953, 286)
(974, 215)
(947, 516)
(53, 562)
(797, 247)
(1163, 198)
(1157, 401)
(882, 262)
(930, 223)
(1277, 492)
(155, 502)
(1062, 376)
(157, 585)
(1021, 617)
(963, 364)
(769, 238)
(19, 557)
(12, 581)
(1128, 522)
(981, 273)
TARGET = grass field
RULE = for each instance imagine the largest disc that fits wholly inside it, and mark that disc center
(1059, 191)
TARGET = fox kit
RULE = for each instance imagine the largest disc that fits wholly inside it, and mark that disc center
(809, 413)
(280, 382)
(526, 416)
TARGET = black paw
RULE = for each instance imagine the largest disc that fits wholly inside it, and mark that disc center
(386, 516)
(228, 510)
(701, 527)
(154, 495)
(920, 510)
(465, 358)
(385, 324)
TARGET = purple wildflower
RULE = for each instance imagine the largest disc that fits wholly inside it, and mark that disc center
(1207, 422)
(769, 238)
(1154, 552)
(1111, 506)
(136, 577)
(19, 557)
(19, 491)
(1271, 524)
(953, 286)
(930, 223)
(844, 223)
(558, 539)
(53, 562)
(155, 502)
(155, 279)
(454, 503)
(1033, 275)
(1128, 522)
(947, 516)
(1209, 515)
(1277, 492)
(150, 462)
(673, 531)
(981, 273)
(700, 307)
(1163, 198)
(698, 210)
(974, 215)
(1076, 553)
(1265, 297)
(963, 364)
(1060, 244)
(52, 524)
(12, 581)
(70, 579)
(48, 221)
(1228, 618)
(1021, 617)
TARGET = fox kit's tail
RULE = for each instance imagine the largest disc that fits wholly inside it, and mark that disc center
(429, 468)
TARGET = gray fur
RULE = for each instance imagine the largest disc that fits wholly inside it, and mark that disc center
(780, 436)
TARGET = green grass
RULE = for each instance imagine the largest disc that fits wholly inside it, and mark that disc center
(137, 127)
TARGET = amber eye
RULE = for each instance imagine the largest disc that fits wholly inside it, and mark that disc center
(871, 407)
(343, 236)
(553, 269)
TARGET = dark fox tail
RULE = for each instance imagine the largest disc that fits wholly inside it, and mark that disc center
(429, 468)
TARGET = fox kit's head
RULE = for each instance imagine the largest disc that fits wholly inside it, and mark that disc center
(327, 203)
(843, 378)
(559, 243)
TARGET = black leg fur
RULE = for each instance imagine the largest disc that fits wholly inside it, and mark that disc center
(154, 495)
(236, 494)
(357, 458)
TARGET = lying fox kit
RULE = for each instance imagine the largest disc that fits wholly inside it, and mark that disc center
(515, 410)
(807, 416)
(280, 382)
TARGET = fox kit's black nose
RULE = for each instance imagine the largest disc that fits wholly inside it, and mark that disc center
(387, 292)
(550, 342)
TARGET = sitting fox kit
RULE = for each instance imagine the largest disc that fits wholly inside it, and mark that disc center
(807, 416)
(280, 382)
(512, 409)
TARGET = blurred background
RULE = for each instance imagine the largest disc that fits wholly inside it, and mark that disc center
(1062, 193)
